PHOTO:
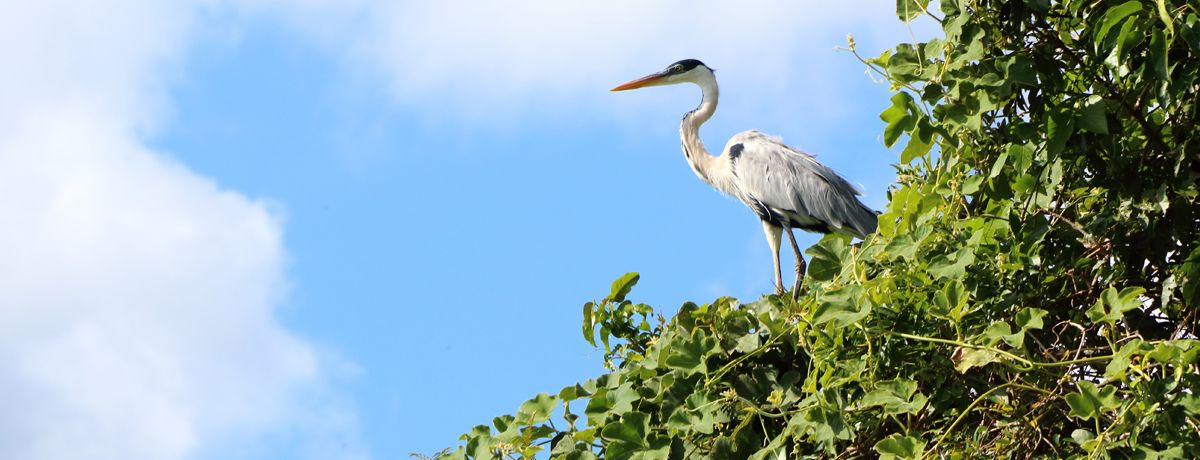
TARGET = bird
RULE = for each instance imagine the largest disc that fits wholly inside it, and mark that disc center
(785, 187)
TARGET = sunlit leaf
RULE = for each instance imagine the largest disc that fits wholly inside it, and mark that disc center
(589, 328)
(898, 446)
(899, 118)
(967, 358)
(1165, 16)
(622, 286)
(1115, 15)
(906, 10)
(536, 410)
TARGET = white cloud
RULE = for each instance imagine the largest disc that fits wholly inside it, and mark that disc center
(136, 297)
(493, 62)
(484, 59)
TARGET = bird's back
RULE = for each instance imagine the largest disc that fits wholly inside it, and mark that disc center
(791, 188)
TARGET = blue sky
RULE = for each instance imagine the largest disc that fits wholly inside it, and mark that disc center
(258, 229)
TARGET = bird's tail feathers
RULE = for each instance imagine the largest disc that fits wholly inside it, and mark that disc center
(862, 221)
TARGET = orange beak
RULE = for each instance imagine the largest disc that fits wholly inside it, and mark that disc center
(648, 80)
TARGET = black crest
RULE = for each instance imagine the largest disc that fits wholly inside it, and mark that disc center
(685, 65)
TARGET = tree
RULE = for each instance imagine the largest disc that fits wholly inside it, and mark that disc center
(1032, 290)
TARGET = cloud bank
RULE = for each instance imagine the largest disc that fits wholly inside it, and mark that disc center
(496, 59)
(137, 298)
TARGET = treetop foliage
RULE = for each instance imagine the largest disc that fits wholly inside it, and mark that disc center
(1032, 290)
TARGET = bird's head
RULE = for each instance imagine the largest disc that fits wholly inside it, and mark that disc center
(685, 71)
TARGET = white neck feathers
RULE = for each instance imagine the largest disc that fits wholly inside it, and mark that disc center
(689, 128)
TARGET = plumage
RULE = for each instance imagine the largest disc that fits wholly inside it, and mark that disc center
(785, 187)
(795, 190)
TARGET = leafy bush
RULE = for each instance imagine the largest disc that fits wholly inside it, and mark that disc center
(1032, 290)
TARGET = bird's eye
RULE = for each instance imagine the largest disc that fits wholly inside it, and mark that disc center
(676, 68)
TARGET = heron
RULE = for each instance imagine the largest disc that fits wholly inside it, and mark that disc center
(785, 187)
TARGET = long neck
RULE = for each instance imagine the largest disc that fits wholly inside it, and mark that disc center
(689, 131)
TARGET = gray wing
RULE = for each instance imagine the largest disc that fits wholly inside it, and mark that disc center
(792, 189)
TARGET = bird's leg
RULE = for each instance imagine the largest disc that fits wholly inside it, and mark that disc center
(801, 266)
(773, 234)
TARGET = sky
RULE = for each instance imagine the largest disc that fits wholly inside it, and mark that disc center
(258, 229)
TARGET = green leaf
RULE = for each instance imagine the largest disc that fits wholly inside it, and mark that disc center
(1038, 5)
(971, 185)
(622, 286)
(915, 148)
(775, 450)
(828, 425)
(1059, 127)
(899, 118)
(972, 36)
(1000, 330)
(1128, 38)
(950, 8)
(902, 246)
(1086, 439)
(614, 401)
(1021, 156)
(952, 266)
(1158, 55)
(1190, 403)
(898, 446)
(1190, 270)
(1191, 32)
(1053, 175)
(661, 452)
(895, 397)
(589, 327)
(689, 356)
(998, 165)
(536, 410)
(1165, 16)
(1124, 358)
(906, 10)
(966, 358)
(1114, 16)
(631, 429)
(843, 307)
(505, 428)
(571, 393)
(1090, 401)
(621, 398)
(747, 343)
(1112, 305)
(827, 256)
(951, 300)
(598, 407)
(1093, 116)
(1019, 71)
(1030, 318)
(1180, 352)
(905, 64)
(1024, 183)
(697, 415)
